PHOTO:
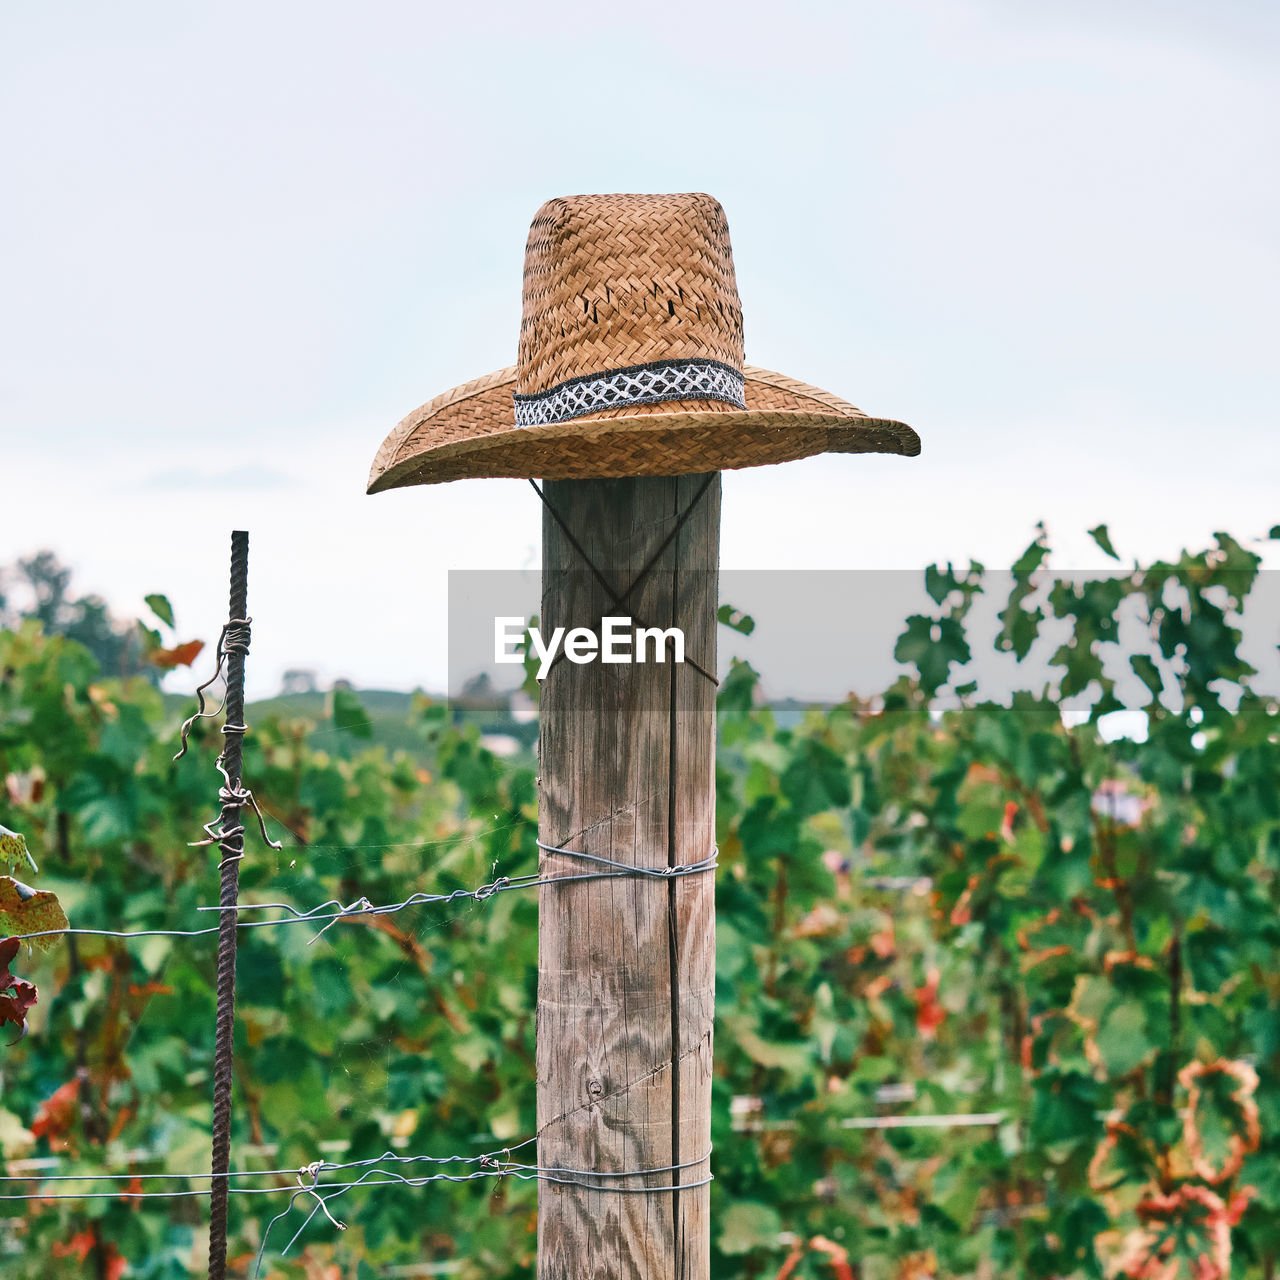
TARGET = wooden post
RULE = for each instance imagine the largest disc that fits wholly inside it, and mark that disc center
(626, 966)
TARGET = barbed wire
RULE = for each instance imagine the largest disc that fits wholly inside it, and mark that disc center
(363, 907)
(493, 1169)
(491, 1164)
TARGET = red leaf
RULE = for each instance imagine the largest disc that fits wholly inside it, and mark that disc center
(77, 1247)
(1006, 826)
(56, 1112)
(21, 994)
(793, 1260)
(182, 655)
(929, 1013)
(1238, 1204)
(13, 1008)
(1241, 1143)
(150, 989)
(839, 1257)
(82, 1244)
(1191, 1225)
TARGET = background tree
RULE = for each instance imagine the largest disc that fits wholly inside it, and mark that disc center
(45, 582)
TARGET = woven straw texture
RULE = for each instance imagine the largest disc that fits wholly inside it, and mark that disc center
(614, 281)
(611, 282)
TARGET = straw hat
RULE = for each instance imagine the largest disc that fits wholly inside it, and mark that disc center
(630, 364)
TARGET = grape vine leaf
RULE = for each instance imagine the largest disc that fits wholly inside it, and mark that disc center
(1102, 536)
(181, 655)
(16, 994)
(735, 619)
(13, 850)
(25, 911)
(160, 606)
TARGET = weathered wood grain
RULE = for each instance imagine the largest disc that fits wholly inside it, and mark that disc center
(626, 977)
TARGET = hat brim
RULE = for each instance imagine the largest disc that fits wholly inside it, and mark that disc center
(470, 432)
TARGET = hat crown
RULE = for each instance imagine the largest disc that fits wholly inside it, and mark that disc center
(615, 281)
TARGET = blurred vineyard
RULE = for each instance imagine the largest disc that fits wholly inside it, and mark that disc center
(997, 996)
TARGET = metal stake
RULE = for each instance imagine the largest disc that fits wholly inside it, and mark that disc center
(231, 846)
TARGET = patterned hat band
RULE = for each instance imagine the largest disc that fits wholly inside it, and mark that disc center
(637, 384)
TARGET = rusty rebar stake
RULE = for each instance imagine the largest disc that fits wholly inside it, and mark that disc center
(231, 846)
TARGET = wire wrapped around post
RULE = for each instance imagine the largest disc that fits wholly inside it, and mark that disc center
(230, 833)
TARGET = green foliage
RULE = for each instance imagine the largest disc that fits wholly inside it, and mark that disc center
(735, 619)
(386, 1031)
(927, 905)
(933, 645)
(349, 716)
(1102, 537)
(160, 606)
(1005, 914)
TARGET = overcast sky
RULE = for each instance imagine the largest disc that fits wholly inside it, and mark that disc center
(240, 241)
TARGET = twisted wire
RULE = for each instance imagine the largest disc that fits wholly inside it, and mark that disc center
(491, 1167)
(237, 631)
(503, 884)
(232, 796)
(492, 1164)
(363, 907)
